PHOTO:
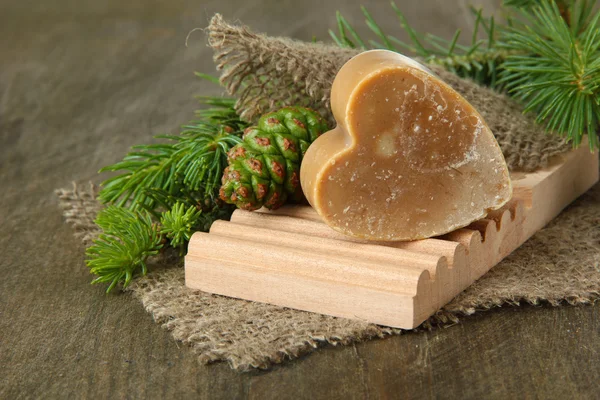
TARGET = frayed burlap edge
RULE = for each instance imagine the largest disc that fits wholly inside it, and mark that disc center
(559, 264)
(265, 73)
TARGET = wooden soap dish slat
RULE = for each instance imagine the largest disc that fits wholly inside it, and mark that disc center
(290, 258)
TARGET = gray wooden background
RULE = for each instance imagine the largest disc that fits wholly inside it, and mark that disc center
(80, 82)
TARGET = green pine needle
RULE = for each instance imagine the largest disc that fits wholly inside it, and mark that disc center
(175, 182)
(533, 3)
(554, 68)
(211, 211)
(128, 238)
(480, 60)
(220, 111)
(521, 3)
(193, 160)
(179, 223)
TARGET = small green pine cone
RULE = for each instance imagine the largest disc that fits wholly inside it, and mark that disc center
(264, 170)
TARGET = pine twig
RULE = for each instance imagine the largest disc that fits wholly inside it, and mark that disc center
(193, 160)
(554, 68)
(480, 60)
(128, 238)
(164, 191)
(179, 223)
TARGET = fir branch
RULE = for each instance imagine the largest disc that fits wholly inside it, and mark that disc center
(481, 60)
(193, 160)
(211, 210)
(163, 200)
(554, 68)
(179, 223)
(175, 182)
(220, 111)
(128, 239)
(562, 4)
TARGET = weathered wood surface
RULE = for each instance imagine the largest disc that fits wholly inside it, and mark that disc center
(79, 83)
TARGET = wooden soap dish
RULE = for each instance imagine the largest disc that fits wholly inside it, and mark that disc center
(292, 259)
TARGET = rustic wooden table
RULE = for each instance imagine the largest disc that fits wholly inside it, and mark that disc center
(80, 82)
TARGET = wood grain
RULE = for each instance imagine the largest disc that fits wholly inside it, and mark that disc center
(292, 259)
(79, 83)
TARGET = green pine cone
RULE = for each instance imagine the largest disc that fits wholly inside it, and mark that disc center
(264, 170)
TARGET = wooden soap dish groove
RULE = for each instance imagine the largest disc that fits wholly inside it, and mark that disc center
(327, 246)
(509, 207)
(290, 258)
(400, 281)
(485, 227)
(311, 264)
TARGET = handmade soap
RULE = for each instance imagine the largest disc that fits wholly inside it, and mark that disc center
(409, 158)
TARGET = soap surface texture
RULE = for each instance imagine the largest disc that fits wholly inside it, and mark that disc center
(409, 158)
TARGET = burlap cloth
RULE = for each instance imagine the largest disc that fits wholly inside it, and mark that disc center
(559, 264)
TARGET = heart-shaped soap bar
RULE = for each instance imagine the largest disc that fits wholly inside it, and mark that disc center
(409, 159)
